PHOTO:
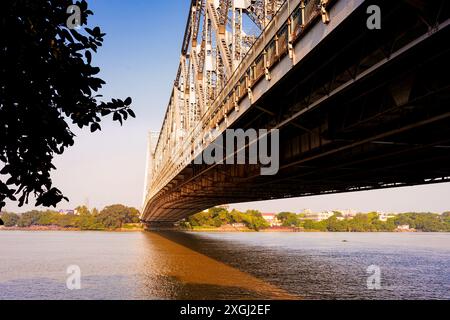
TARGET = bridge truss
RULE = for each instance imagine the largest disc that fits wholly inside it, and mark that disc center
(220, 37)
(357, 110)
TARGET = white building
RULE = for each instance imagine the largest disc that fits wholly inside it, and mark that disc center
(319, 216)
(348, 213)
(404, 228)
(272, 219)
(69, 212)
(384, 217)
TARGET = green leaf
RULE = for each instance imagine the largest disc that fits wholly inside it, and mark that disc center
(88, 56)
(131, 113)
(95, 127)
(88, 30)
(104, 113)
(97, 31)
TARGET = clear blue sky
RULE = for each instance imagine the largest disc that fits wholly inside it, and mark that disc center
(139, 59)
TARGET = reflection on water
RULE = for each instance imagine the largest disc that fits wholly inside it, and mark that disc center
(196, 275)
(223, 266)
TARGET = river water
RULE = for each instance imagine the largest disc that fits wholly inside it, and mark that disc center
(33, 265)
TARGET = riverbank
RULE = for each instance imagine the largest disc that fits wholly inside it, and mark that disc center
(38, 228)
(231, 229)
(203, 229)
(126, 228)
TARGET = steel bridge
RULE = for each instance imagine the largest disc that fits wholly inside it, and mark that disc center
(357, 108)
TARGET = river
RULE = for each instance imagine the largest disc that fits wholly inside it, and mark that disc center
(33, 265)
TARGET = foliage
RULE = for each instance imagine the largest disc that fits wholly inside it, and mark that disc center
(289, 219)
(87, 220)
(370, 222)
(46, 81)
(29, 219)
(9, 219)
(111, 218)
(426, 222)
(217, 217)
(119, 216)
(254, 220)
(115, 216)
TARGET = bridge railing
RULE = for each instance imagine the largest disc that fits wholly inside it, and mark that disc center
(277, 39)
(285, 29)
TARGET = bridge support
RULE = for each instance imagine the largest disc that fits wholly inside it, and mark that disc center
(160, 226)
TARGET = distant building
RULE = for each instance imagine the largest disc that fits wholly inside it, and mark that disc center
(404, 228)
(272, 219)
(348, 213)
(384, 217)
(318, 217)
(68, 212)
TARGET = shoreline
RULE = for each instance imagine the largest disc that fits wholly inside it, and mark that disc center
(308, 231)
(47, 229)
(232, 229)
(288, 230)
(199, 230)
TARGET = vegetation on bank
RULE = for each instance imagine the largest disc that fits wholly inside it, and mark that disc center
(425, 222)
(120, 217)
(219, 217)
(113, 217)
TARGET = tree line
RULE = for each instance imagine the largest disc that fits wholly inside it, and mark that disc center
(117, 216)
(110, 218)
(218, 217)
(370, 222)
(426, 222)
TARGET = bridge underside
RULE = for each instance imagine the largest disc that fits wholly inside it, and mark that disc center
(369, 113)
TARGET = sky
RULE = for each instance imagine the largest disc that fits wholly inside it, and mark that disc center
(140, 58)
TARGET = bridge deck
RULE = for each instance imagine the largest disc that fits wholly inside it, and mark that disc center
(358, 110)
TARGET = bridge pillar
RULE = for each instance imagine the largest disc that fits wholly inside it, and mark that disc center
(160, 226)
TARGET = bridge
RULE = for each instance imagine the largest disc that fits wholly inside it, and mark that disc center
(357, 107)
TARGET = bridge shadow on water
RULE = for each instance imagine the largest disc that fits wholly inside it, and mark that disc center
(194, 267)
(278, 266)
